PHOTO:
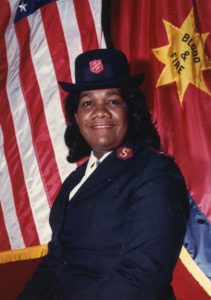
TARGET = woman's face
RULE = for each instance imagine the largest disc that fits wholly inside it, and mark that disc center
(102, 119)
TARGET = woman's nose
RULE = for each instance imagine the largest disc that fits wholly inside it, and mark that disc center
(101, 111)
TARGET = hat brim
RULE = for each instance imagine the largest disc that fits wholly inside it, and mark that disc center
(133, 81)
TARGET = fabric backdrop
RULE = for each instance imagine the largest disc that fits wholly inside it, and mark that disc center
(39, 39)
(170, 42)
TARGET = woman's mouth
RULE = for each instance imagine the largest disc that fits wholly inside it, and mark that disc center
(102, 126)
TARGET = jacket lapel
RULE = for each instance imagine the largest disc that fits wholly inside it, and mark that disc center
(74, 178)
(59, 207)
(71, 181)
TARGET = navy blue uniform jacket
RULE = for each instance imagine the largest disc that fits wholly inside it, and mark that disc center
(120, 236)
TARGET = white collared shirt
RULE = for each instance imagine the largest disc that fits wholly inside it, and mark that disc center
(91, 166)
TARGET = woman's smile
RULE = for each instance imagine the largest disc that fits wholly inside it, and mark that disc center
(102, 126)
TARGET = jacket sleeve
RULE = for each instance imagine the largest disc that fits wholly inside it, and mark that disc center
(42, 281)
(155, 225)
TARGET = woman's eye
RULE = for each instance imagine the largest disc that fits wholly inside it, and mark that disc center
(114, 102)
(86, 103)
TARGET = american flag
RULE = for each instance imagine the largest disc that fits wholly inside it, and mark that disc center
(39, 41)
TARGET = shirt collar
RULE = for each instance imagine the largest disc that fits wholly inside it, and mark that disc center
(93, 159)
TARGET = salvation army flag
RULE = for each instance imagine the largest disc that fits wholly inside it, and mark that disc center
(170, 41)
(39, 42)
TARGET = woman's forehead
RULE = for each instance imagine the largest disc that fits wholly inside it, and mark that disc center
(104, 92)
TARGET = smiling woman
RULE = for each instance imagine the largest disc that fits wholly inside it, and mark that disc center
(102, 119)
(117, 228)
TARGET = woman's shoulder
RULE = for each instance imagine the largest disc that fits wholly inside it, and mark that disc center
(155, 162)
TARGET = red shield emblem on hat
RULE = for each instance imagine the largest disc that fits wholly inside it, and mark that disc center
(96, 66)
(124, 152)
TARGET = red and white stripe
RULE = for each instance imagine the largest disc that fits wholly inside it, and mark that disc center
(35, 53)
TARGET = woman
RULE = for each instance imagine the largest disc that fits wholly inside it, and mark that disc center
(117, 228)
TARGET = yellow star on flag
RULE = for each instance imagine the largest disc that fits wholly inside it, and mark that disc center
(184, 57)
